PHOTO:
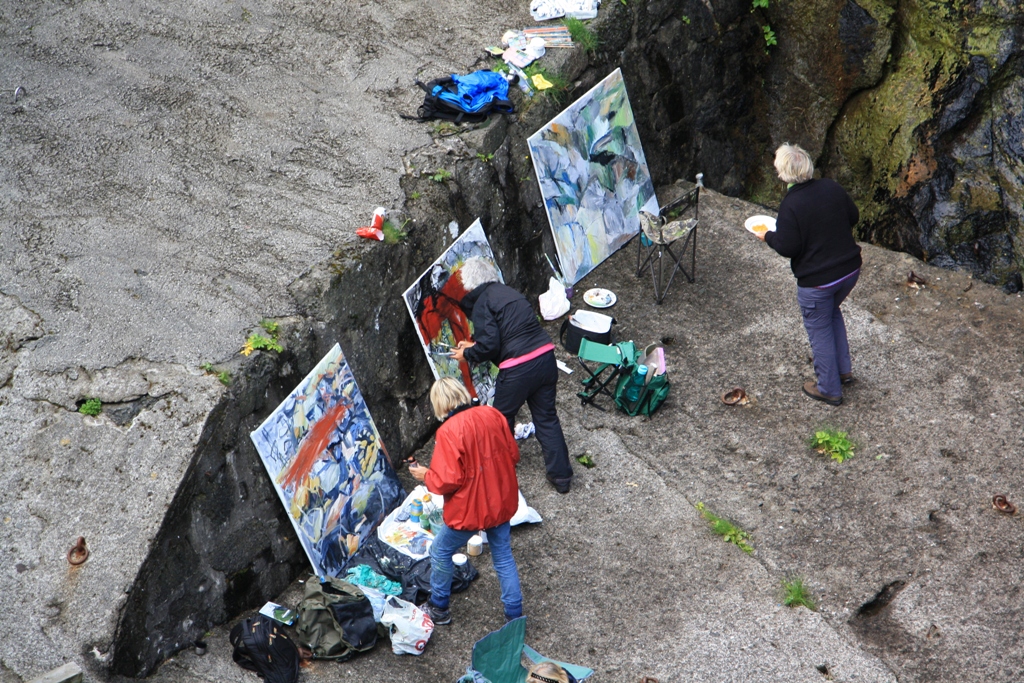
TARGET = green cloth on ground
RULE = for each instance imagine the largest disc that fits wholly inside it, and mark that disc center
(362, 575)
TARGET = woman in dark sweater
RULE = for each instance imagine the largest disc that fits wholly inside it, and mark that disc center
(814, 231)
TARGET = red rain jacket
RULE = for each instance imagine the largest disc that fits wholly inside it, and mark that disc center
(474, 468)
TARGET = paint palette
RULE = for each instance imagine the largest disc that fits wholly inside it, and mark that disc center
(599, 298)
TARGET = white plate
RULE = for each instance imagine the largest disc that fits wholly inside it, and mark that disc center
(760, 220)
(599, 298)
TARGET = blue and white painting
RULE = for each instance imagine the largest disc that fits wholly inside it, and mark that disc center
(593, 176)
(328, 464)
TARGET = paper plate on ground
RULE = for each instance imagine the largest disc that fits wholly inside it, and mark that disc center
(762, 223)
(599, 298)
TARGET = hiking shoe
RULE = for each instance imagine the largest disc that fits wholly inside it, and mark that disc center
(561, 485)
(439, 616)
(811, 389)
(847, 379)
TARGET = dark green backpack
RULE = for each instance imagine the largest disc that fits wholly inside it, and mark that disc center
(653, 394)
(335, 619)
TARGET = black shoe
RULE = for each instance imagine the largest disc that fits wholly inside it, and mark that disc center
(561, 485)
(439, 616)
(847, 379)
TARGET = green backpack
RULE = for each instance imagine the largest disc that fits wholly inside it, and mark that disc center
(653, 394)
(335, 619)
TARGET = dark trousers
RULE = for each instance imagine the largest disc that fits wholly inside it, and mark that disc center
(534, 383)
(826, 330)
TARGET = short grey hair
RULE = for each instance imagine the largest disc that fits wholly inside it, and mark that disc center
(793, 164)
(477, 271)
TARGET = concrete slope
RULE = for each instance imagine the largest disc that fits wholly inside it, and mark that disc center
(167, 171)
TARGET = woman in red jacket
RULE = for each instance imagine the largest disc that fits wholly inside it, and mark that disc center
(474, 468)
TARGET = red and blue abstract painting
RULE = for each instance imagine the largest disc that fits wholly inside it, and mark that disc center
(328, 464)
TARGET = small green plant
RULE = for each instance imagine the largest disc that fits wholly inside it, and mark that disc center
(414, 196)
(486, 158)
(755, 4)
(559, 85)
(726, 529)
(246, 15)
(769, 36)
(394, 234)
(224, 376)
(440, 175)
(92, 406)
(445, 128)
(686, 20)
(581, 35)
(257, 342)
(833, 443)
(270, 326)
(586, 460)
(797, 594)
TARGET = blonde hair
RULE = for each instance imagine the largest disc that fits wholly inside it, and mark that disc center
(793, 164)
(548, 671)
(477, 271)
(446, 395)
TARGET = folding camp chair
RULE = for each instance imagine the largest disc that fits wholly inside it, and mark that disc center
(662, 236)
(613, 361)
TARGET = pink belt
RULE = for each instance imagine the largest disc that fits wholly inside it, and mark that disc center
(519, 360)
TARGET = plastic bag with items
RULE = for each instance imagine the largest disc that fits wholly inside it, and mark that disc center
(409, 626)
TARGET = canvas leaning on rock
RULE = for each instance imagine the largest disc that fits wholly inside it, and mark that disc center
(433, 302)
(593, 176)
(328, 464)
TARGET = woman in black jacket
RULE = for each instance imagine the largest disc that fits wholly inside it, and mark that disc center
(815, 231)
(506, 332)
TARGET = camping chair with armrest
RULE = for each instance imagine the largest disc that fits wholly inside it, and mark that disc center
(612, 361)
(665, 240)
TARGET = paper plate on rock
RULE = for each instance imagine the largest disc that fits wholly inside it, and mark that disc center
(762, 224)
(599, 298)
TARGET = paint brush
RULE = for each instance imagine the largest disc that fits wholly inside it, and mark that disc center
(558, 276)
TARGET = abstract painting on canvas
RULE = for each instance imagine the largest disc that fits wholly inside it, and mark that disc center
(593, 176)
(328, 464)
(433, 302)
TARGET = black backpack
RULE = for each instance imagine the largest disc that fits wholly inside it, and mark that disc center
(444, 100)
(335, 619)
(261, 645)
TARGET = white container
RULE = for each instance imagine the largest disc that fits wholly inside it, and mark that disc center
(458, 559)
(475, 546)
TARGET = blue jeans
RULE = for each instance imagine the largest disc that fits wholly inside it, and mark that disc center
(826, 330)
(448, 541)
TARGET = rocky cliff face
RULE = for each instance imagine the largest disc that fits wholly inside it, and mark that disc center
(912, 105)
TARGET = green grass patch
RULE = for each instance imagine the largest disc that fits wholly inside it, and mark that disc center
(581, 35)
(833, 443)
(586, 460)
(414, 196)
(795, 593)
(92, 406)
(486, 158)
(393, 234)
(726, 529)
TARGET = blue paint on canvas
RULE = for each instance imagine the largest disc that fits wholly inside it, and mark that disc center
(328, 464)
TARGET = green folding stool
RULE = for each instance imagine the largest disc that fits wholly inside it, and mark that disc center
(612, 361)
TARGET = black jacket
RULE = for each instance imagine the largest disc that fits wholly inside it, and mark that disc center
(504, 324)
(814, 231)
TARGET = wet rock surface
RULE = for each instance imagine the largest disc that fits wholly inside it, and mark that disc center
(173, 177)
(909, 105)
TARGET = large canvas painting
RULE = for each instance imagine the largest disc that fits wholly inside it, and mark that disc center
(593, 176)
(433, 302)
(328, 464)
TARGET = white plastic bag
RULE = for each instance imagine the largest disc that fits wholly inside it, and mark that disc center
(553, 303)
(409, 626)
